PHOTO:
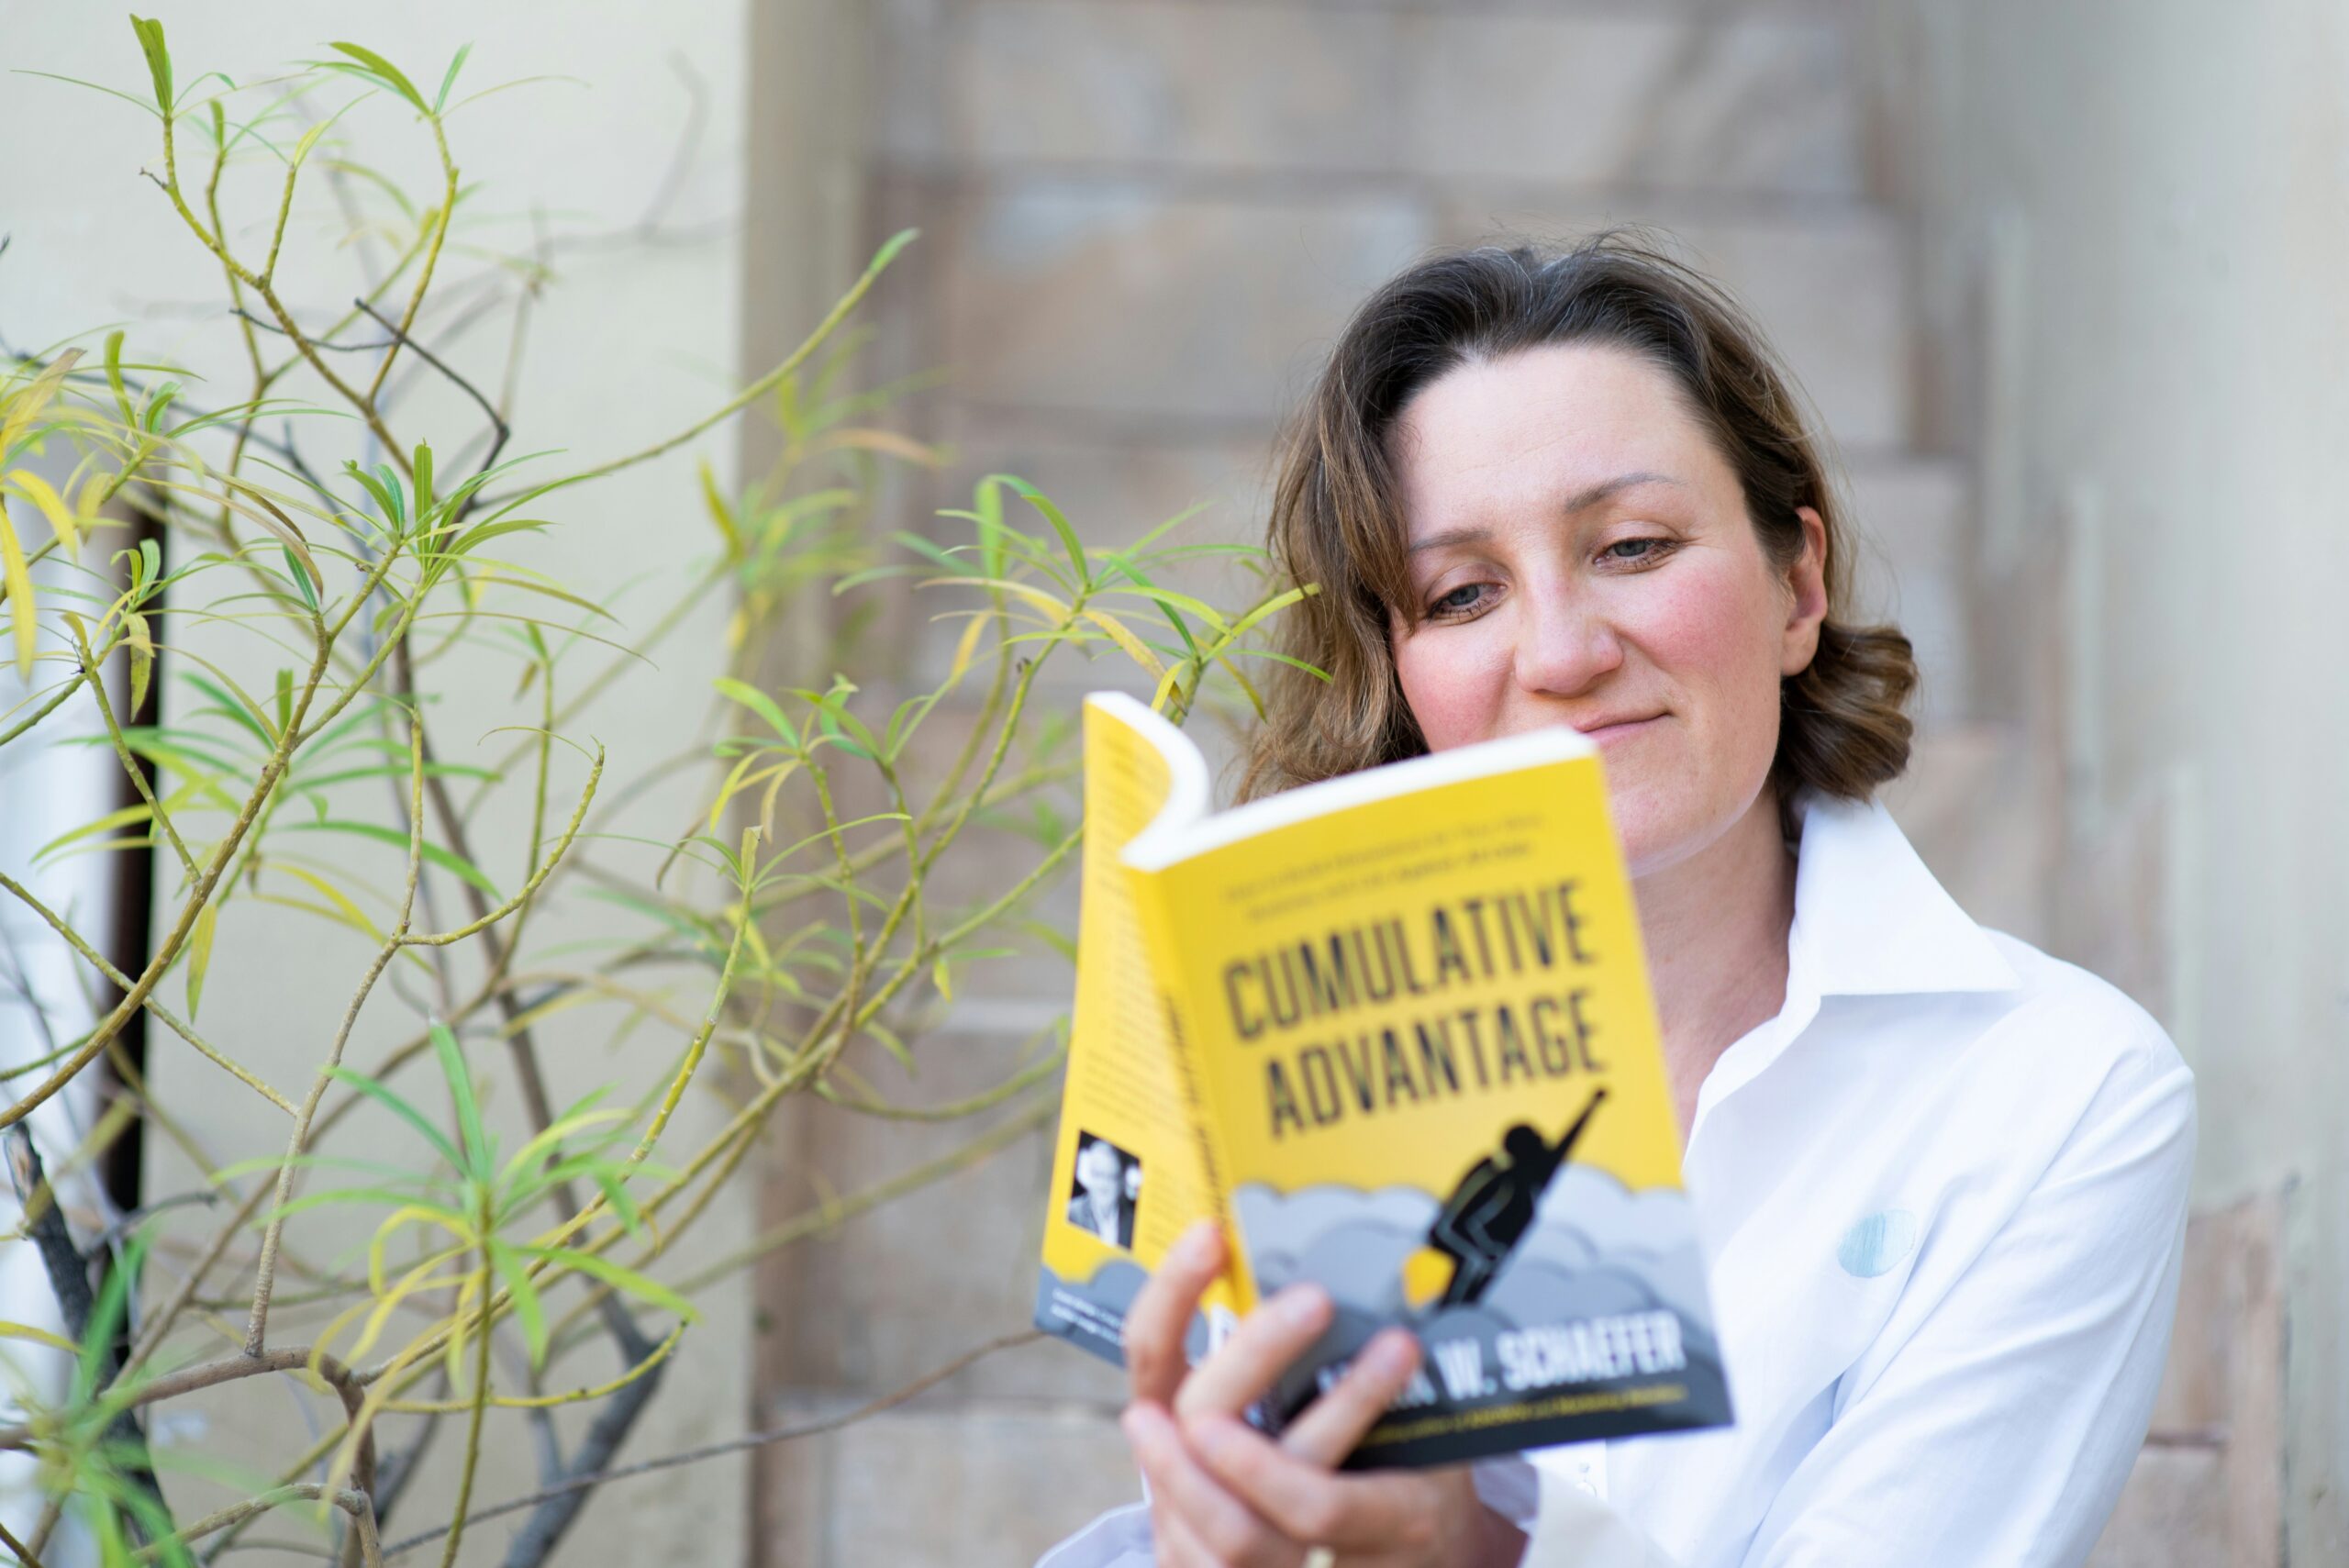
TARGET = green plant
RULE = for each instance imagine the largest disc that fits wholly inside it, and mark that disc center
(305, 622)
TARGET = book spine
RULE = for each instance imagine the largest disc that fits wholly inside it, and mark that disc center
(1165, 973)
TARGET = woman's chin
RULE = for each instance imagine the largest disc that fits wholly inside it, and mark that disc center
(1655, 827)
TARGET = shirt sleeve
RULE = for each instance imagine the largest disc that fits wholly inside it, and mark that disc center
(1119, 1538)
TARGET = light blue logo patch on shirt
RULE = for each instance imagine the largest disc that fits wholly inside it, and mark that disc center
(1878, 1245)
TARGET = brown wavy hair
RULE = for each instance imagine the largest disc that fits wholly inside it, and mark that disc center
(1337, 520)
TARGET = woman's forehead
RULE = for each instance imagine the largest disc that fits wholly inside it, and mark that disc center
(1567, 426)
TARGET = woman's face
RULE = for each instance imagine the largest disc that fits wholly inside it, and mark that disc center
(1581, 554)
(1098, 1169)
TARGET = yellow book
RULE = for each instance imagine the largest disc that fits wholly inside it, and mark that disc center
(1393, 1032)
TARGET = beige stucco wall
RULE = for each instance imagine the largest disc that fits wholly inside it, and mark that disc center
(2133, 269)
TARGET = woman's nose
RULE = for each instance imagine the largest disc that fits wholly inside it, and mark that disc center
(1564, 644)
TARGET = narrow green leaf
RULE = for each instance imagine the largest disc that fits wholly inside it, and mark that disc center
(720, 513)
(569, 1126)
(758, 702)
(309, 139)
(440, 99)
(385, 497)
(989, 502)
(25, 406)
(461, 1094)
(394, 770)
(159, 59)
(620, 1278)
(142, 662)
(616, 1193)
(391, 75)
(454, 865)
(851, 732)
(421, 469)
(199, 954)
(944, 559)
(238, 707)
(105, 1318)
(514, 1270)
(159, 403)
(393, 488)
(486, 578)
(894, 1045)
(399, 1107)
(301, 578)
(1052, 514)
(1271, 607)
(272, 518)
(123, 817)
(19, 583)
(890, 247)
(482, 533)
(114, 377)
(53, 508)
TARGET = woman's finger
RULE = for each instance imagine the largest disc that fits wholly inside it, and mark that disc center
(1299, 1499)
(1328, 1429)
(1161, 1314)
(1265, 1345)
(1187, 1501)
(1173, 1546)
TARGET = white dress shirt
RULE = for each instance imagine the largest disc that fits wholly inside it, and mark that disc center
(1943, 1196)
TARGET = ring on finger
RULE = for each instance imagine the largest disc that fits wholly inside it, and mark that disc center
(1320, 1557)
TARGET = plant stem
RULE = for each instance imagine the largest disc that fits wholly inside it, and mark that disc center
(472, 1460)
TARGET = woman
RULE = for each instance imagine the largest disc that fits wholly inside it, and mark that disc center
(1942, 1177)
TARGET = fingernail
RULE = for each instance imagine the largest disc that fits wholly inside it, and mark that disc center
(1197, 1242)
(1394, 1352)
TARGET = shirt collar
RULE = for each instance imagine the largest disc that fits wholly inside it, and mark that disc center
(1871, 920)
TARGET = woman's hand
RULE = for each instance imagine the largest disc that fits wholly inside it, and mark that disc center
(1224, 1495)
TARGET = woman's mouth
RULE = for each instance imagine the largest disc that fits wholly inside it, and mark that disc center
(1622, 730)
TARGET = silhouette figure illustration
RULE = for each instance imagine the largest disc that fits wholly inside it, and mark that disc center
(1492, 1208)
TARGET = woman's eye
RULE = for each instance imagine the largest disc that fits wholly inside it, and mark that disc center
(1460, 601)
(1635, 549)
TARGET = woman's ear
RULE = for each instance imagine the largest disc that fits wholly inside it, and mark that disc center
(1807, 598)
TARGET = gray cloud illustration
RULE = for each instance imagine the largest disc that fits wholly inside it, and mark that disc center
(1595, 1248)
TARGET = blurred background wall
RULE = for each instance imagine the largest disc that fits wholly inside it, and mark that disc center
(2128, 229)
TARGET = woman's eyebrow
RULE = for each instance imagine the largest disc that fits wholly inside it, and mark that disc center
(1589, 496)
(1592, 494)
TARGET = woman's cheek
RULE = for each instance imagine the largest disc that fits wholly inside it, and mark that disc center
(1453, 682)
(1714, 635)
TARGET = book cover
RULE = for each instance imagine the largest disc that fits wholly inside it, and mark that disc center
(1394, 1029)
